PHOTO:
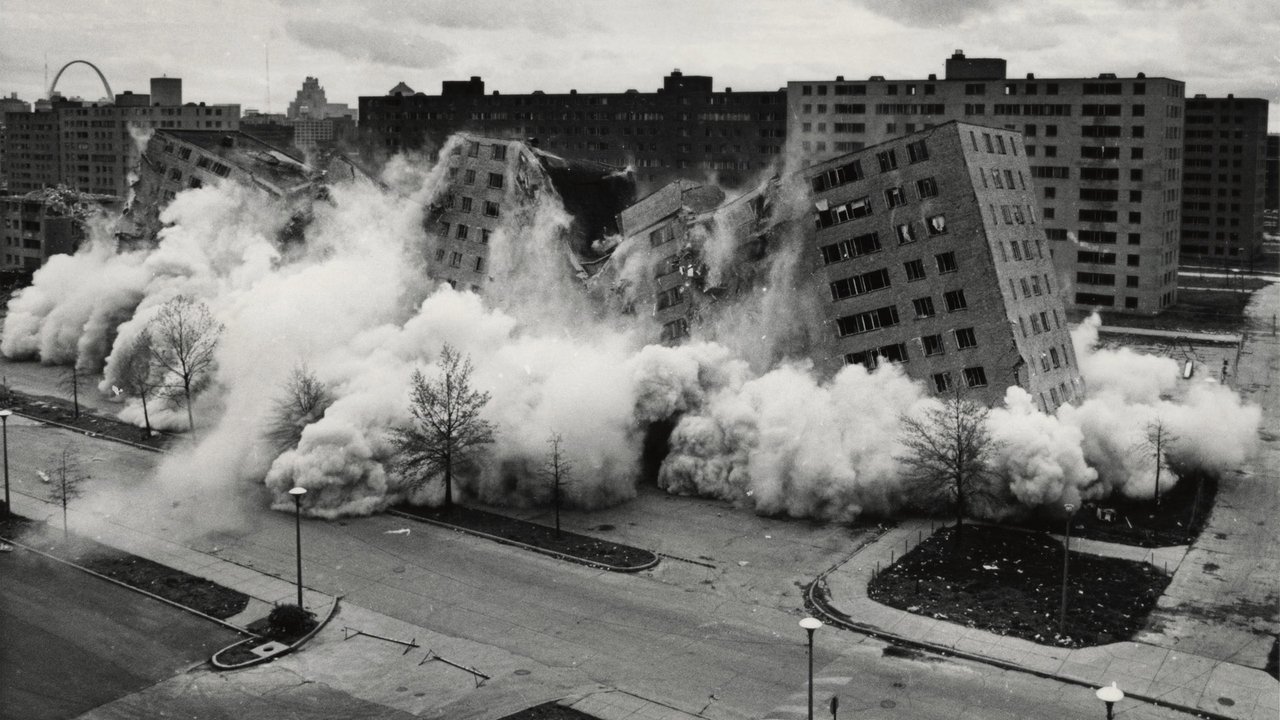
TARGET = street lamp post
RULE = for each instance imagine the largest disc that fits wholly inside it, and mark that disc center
(4, 423)
(1066, 559)
(297, 494)
(1110, 695)
(810, 624)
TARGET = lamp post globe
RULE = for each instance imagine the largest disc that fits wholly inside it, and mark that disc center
(810, 624)
(1110, 695)
(297, 494)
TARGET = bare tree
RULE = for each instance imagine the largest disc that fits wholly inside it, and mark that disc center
(184, 336)
(1155, 445)
(70, 383)
(447, 428)
(66, 478)
(137, 374)
(556, 471)
(303, 402)
(949, 454)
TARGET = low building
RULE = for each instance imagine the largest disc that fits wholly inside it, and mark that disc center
(1225, 179)
(42, 223)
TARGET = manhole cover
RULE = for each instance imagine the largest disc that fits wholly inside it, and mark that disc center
(1226, 701)
(888, 704)
(521, 671)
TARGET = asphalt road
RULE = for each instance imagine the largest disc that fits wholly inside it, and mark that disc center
(72, 641)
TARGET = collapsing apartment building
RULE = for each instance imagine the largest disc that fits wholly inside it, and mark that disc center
(924, 251)
(495, 185)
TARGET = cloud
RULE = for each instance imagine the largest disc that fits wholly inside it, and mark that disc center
(928, 13)
(376, 45)
(547, 17)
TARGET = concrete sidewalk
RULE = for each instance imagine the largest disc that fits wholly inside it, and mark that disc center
(1143, 671)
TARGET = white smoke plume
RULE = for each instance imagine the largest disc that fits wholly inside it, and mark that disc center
(753, 422)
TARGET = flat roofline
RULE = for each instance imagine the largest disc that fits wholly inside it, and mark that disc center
(958, 123)
(1035, 79)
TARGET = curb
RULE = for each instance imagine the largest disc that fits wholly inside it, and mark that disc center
(151, 595)
(533, 548)
(213, 659)
(834, 617)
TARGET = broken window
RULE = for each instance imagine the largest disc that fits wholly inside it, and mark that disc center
(975, 377)
(455, 260)
(923, 307)
(466, 204)
(469, 177)
(499, 152)
(859, 284)
(915, 270)
(675, 329)
(895, 197)
(490, 208)
(965, 338)
(937, 225)
(955, 300)
(867, 321)
(479, 265)
(888, 160)
(661, 235)
(906, 233)
(917, 151)
(942, 382)
(932, 344)
(946, 262)
(496, 179)
(926, 188)
(463, 231)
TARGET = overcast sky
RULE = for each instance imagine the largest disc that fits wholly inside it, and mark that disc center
(364, 47)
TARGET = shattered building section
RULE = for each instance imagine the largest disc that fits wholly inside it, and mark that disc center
(177, 160)
(495, 185)
(930, 253)
(46, 222)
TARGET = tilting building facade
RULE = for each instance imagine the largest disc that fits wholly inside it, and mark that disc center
(1105, 156)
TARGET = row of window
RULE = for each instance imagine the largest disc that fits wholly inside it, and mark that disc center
(1008, 88)
(1031, 285)
(1039, 322)
(887, 316)
(465, 204)
(463, 232)
(456, 258)
(973, 377)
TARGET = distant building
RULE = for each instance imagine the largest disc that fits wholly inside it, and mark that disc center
(1105, 154)
(166, 91)
(92, 147)
(684, 130)
(311, 104)
(8, 105)
(1273, 174)
(273, 129)
(1224, 185)
(494, 186)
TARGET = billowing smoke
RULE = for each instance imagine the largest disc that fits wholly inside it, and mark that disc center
(753, 423)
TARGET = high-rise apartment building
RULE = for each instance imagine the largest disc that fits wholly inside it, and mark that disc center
(927, 250)
(930, 251)
(8, 105)
(1105, 155)
(683, 130)
(311, 103)
(1224, 182)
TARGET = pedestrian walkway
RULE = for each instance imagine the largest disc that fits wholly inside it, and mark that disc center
(1143, 671)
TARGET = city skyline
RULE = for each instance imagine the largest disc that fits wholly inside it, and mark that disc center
(366, 48)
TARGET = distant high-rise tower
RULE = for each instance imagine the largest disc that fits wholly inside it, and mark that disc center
(166, 91)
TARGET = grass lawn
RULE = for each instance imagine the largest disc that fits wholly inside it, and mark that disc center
(1009, 582)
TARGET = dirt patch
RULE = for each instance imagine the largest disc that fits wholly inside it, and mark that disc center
(549, 711)
(176, 586)
(1177, 520)
(587, 549)
(53, 409)
(1010, 582)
